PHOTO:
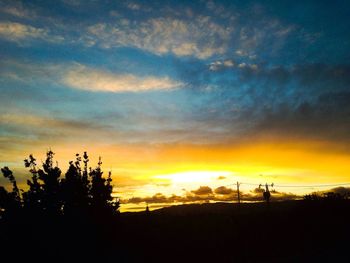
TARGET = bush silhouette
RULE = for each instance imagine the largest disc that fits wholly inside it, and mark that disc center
(327, 196)
(83, 191)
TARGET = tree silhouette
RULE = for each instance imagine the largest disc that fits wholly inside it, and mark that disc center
(81, 192)
(76, 188)
(10, 202)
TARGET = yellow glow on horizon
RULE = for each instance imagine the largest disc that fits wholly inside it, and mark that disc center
(141, 170)
(194, 176)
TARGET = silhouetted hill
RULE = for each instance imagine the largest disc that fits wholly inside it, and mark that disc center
(225, 208)
(291, 231)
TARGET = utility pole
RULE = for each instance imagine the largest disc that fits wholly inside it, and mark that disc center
(266, 192)
(238, 194)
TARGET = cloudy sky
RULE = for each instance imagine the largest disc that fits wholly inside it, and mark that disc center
(179, 98)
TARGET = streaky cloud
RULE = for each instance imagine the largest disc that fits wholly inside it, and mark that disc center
(84, 78)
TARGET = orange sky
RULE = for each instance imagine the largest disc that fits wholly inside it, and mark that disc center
(144, 170)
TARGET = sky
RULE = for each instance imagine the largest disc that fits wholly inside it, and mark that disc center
(182, 99)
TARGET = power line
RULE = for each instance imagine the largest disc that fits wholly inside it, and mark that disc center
(296, 186)
(315, 186)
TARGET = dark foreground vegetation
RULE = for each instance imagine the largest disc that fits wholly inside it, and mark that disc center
(91, 229)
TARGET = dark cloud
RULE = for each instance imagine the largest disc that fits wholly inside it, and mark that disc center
(257, 195)
(282, 196)
(157, 198)
(203, 190)
(222, 190)
(328, 116)
(257, 190)
(301, 100)
(220, 194)
(221, 178)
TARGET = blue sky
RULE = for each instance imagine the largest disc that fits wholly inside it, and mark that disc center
(172, 72)
(173, 64)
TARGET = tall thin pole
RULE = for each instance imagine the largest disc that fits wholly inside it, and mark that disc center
(238, 194)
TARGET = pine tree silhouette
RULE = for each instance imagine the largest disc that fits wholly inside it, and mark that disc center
(81, 192)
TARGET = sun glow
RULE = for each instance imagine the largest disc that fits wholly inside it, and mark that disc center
(197, 177)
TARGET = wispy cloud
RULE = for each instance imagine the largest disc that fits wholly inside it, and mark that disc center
(17, 32)
(216, 32)
(29, 128)
(18, 10)
(200, 37)
(21, 131)
(84, 78)
(133, 6)
(40, 121)
(221, 64)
